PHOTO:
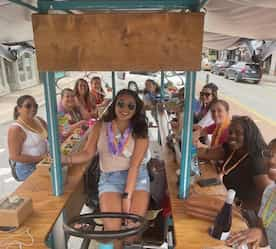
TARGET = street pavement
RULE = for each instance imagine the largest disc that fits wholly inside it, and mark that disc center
(257, 101)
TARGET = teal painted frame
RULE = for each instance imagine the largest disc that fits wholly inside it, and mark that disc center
(185, 166)
(113, 85)
(162, 93)
(24, 4)
(53, 135)
(193, 5)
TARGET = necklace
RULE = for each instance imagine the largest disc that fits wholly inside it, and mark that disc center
(43, 133)
(226, 172)
(267, 220)
(117, 144)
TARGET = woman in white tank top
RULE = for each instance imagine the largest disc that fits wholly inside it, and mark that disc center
(27, 137)
(121, 139)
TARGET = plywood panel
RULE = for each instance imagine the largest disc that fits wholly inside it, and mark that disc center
(121, 41)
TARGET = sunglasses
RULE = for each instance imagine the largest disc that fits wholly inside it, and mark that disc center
(268, 153)
(30, 105)
(205, 94)
(121, 104)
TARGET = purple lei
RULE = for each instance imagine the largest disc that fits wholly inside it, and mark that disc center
(116, 150)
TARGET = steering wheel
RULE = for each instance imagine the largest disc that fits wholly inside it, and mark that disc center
(83, 226)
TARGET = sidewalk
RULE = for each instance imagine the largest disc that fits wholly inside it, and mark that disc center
(269, 78)
(236, 108)
(8, 102)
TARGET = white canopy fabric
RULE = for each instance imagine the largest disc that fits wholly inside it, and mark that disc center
(242, 18)
(218, 41)
(15, 23)
(226, 21)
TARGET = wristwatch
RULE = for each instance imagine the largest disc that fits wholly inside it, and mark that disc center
(125, 195)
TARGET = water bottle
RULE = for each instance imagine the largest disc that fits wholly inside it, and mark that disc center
(195, 170)
(223, 221)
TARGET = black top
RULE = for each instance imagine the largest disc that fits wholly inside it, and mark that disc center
(241, 178)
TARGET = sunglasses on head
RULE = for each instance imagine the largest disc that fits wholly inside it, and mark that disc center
(30, 105)
(121, 104)
(205, 94)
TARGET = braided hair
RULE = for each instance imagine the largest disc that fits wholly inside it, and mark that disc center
(253, 139)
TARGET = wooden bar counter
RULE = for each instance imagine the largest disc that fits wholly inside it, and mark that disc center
(46, 207)
(192, 233)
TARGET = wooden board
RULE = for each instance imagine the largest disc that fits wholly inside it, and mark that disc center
(118, 41)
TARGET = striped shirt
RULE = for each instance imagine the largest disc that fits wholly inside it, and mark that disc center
(271, 228)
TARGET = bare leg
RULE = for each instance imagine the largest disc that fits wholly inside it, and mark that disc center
(139, 206)
(112, 202)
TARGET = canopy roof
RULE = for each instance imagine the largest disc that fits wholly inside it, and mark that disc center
(225, 22)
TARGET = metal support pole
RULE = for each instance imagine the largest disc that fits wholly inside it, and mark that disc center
(113, 85)
(44, 5)
(202, 3)
(59, 241)
(185, 167)
(29, 6)
(51, 110)
(162, 85)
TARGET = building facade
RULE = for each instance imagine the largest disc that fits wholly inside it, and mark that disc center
(18, 74)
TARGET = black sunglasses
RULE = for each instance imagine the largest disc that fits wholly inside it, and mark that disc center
(121, 104)
(205, 94)
(30, 105)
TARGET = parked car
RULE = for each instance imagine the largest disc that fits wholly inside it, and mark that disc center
(136, 80)
(220, 66)
(206, 64)
(244, 71)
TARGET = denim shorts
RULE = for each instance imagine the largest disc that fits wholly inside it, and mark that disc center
(116, 181)
(23, 170)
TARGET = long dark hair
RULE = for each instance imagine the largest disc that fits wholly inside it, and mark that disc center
(157, 90)
(253, 138)
(77, 93)
(138, 121)
(19, 103)
(213, 87)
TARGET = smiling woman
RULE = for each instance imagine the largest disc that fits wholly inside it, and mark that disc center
(84, 100)
(121, 139)
(243, 169)
(27, 137)
(219, 129)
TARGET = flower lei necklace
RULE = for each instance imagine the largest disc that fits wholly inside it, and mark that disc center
(115, 145)
(227, 171)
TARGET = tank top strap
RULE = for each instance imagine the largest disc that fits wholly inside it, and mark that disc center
(21, 126)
